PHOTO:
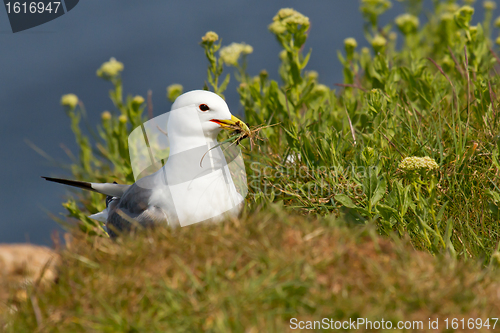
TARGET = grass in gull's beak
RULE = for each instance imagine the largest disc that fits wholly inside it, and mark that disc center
(252, 134)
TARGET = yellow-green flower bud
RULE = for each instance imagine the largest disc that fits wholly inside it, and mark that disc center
(287, 18)
(489, 5)
(291, 16)
(463, 16)
(110, 69)
(122, 118)
(415, 163)
(174, 91)
(230, 54)
(277, 27)
(321, 89)
(138, 100)
(372, 9)
(450, 7)
(312, 75)
(263, 74)
(379, 43)
(350, 45)
(247, 49)
(243, 85)
(497, 22)
(446, 17)
(106, 115)
(210, 37)
(298, 19)
(473, 32)
(284, 13)
(282, 55)
(69, 100)
(498, 40)
(407, 23)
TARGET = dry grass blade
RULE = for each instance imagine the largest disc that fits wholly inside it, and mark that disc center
(351, 127)
(393, 145)
(36, 310)
(150, 104)
(495, 55)
(457, 65)
(252, 134)
(348, 85)
(440, 69)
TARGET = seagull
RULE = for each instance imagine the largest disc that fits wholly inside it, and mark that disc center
(195, 183)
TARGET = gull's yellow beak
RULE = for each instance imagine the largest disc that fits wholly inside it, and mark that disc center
(233, 123)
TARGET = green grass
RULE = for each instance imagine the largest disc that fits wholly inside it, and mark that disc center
(333, 150)
(332, 155)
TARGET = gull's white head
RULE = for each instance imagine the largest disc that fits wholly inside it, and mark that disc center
(212, 114)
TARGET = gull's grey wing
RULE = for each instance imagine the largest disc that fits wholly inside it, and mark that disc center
(133, 208)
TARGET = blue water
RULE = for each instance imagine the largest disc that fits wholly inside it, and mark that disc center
(158, 43)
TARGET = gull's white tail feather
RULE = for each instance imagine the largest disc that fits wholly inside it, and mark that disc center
(101, 216)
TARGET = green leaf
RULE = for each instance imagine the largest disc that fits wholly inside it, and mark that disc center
(295, 70)
(378, 193)
(447, 238)
(387, 212)
(345, 201)
(440, 214)
(224, 84)
(494, 195)
(306, 60)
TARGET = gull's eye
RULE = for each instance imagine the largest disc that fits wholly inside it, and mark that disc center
(204, 107)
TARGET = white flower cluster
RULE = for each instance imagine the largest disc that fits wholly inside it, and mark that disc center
(231, 53)
(415, 163)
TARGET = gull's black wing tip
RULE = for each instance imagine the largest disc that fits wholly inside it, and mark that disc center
(75, 183)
